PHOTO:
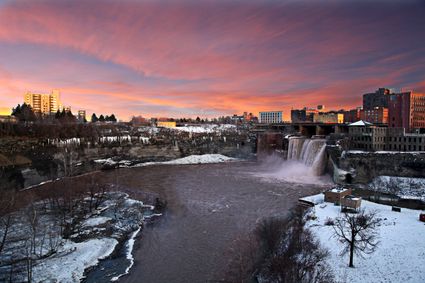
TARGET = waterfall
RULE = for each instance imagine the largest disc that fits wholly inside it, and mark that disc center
(311, 152)
(295, 147)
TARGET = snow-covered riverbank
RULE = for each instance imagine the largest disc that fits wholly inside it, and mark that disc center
(399, 256)
(72, 259)
(53, 244)
(207, 128)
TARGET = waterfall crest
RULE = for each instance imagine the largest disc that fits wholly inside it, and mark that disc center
(311, 152)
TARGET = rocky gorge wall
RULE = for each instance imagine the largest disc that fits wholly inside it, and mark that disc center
(26, 162)
(359, 167)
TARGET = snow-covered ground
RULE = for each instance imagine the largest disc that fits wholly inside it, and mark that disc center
(400, 256)
(193, 159)
(206, 128)
(95, 221)
(108, 161)
(72, 259)
(56, 258)
(403, 187)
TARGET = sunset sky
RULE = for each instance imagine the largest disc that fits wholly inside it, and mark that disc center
(209, 58)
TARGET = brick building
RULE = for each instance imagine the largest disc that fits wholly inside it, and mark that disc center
(353, 115)
(368, 137)
(377, 115)
(406, 110)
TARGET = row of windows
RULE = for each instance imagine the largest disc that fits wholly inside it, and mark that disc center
(406, 147)
(391, 139)
(406, 139)
(395, 147)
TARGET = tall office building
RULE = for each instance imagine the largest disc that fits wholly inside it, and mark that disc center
(378, 98)
(271, 117)
(44, 103)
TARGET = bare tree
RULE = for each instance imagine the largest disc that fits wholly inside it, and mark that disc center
(377, 186)
(7, 203)
(358, 233)
(393, 188)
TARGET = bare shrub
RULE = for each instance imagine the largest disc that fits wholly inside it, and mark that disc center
(329, 221)
(298, 257)
(281, 250)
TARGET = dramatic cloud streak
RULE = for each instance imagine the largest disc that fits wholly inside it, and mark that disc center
(209, 58)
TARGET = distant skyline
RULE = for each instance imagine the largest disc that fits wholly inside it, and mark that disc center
(209, 58)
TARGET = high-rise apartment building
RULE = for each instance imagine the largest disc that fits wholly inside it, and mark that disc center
(271, 117)
(44, 103)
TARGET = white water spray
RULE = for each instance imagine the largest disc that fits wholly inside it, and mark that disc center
(305, 164)
(311, 152)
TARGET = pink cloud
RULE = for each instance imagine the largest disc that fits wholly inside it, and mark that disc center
(225, 57)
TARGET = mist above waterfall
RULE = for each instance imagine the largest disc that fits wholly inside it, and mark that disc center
(305, 163)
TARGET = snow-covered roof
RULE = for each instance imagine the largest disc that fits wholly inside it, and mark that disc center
(338, 189)
(360, 123)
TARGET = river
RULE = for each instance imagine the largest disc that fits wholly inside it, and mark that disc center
(209, 207)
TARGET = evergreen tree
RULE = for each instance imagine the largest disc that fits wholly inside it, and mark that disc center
(94, 118)
(16, 111)
(101, 118)
(24, 113)
(112, 118)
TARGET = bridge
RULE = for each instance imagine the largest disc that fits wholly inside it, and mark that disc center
(307, 129)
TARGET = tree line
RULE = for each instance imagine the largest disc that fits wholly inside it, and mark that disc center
(25, 113)
(102, 118)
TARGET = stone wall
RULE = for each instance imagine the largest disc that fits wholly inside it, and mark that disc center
(362, 167)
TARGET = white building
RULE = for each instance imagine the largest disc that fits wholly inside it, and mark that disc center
(269, 117)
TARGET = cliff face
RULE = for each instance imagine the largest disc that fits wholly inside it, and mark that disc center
(42, 160)
(363, 167)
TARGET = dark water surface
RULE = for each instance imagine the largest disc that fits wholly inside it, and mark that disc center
(209, 207)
